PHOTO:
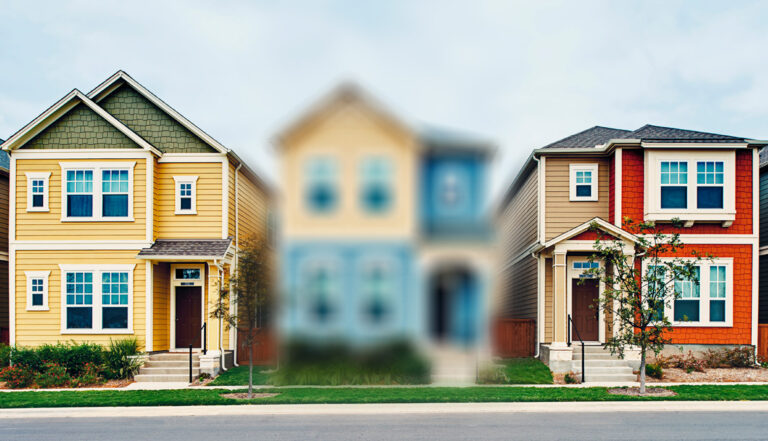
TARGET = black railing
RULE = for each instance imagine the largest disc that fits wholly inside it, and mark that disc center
(205, 338)
(576, 330)
(190, 363)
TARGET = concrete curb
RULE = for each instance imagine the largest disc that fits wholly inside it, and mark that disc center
(389, 409)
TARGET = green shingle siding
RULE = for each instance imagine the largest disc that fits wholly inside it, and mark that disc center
(151, 123)
(80, 128)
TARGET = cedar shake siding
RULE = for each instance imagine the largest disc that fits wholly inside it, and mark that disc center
(763, 311)
(561, 214)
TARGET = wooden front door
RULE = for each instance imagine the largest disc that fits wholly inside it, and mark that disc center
(188, 304)
(585, 309)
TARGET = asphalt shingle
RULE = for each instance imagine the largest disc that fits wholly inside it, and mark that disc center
(188, 247)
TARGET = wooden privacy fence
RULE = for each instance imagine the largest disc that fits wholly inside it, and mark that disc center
(263, 348)
(514, 337)
(762, 342)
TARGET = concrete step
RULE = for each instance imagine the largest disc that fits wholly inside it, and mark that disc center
(595, 356)
(168, 370)
(607, 370)
(172, 356)
(603, 363)
(171, 364)
(163, 378)
(610, 378)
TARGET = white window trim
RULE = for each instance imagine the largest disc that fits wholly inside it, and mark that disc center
(704, 295)
(97, 305)
(653, 210)
(200, 283)
(30, 275)
(97, 167)
(572, 169)
(185, 180)
(37, 177)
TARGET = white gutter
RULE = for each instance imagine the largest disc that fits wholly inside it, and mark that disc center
(237, 253)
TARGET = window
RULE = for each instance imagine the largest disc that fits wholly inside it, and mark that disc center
(584, 266)
(657, 290)
(376, 179)
(97, 298)
(37, 290)
(321, 192)
(97, 191)
(449, 189)
(694, 186)
(37, 188)
(320, 287)
(709, 184)
(377, 289)
(583, 182)
(674, 184)
(704, 300)
(186, 194)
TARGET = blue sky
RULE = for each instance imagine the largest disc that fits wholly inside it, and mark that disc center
(521, 73)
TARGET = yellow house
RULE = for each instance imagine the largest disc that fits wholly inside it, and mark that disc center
(126, 220)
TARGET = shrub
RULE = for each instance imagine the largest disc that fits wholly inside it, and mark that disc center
(204, 376)
(91, 375)
(27, 357)
(654, 370)
(17, 376)
(570, 378)
(73, 356)
(5, 355)
(53, 375)
(120, 359)
(687, 362)
(726, 358)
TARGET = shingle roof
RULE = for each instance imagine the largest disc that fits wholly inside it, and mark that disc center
(440, 137)
(588, 138)
(208, 248)
(600, 135)
(5, 160)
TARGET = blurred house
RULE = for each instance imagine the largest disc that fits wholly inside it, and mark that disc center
(385, 229)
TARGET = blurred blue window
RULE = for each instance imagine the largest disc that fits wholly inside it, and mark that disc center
(321, 185)
(376, 179)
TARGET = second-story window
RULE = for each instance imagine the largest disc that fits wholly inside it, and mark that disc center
(710, 183)
(674, 184)
(79, 193)
(376, 188)
(321, 190)
(37, 188)
(97, 191)
(583, 182)
(186, 194)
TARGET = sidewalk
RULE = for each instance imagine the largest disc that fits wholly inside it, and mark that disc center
(389, 409)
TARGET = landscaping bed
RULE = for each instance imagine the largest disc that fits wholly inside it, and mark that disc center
(713, 375)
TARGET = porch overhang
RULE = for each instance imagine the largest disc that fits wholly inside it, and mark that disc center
(560, 241)
(187, 250)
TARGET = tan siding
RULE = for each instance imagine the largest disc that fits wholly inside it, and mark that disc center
(207, 222)
(48, 225)
(34, 328)
(161, 307)
(520, 292)
(562, 214)
(253, 207)
(548, 313)
(518, 226)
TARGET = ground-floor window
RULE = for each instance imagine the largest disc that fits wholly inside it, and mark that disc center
(97, 298)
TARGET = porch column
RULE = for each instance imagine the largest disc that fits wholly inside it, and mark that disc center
(210, 362)
(560, 300)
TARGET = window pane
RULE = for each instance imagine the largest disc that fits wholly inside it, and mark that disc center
(709, 197)
(37, 300)
(686, 310)
(79, 205)
(185, 203)
(114, 318)
(115, 205)
(79, 318)
(188, 273)
(717, 310)
(583, 190)
(37, 200)
(321, 197)
(674, 197)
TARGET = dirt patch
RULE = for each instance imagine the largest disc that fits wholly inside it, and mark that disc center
(560, 378)
(635, 392)
(203, 382)
(244, 395)
(715, 375)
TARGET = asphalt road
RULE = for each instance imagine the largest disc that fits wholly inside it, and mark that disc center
(465, 426)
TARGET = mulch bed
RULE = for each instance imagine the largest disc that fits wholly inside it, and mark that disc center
(715, 375)
(244, 395)
(109, 384)
(635, 392)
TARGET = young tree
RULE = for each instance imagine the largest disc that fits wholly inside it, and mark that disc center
(636, 298)
(251, 292)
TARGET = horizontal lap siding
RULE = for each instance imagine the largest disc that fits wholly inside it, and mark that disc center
(206, 224)
(48, 225)
(252, 209)
(161, 307)
(34, 328)
(520, 282)
(561, 214)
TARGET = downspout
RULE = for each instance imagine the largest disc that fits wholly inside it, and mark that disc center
(221, 323)
(539, 302)
(237, 252)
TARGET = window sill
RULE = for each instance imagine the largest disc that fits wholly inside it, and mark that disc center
(96, 331)
(725, 217)
(97, 219)
(38, 308)
(589, 199)
(701, 325)
(38, 209)
(182, 213)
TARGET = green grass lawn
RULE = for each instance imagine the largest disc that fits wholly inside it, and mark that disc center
(238, 376)
(527, 371)
(190, 397)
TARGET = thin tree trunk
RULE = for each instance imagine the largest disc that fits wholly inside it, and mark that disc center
(250, 371)
(642, 371)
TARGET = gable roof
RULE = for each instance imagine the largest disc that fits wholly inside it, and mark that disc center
(651, 133)
(58, 110)
(112, 83)
(589, 138)
(602, 224)
(187, 248)
(5, 160)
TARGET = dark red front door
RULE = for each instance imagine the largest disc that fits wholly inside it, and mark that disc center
(585, 309)
(188, 304)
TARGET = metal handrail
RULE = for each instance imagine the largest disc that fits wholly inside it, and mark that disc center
(576, 330)
(190, 363)
(205, 338)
